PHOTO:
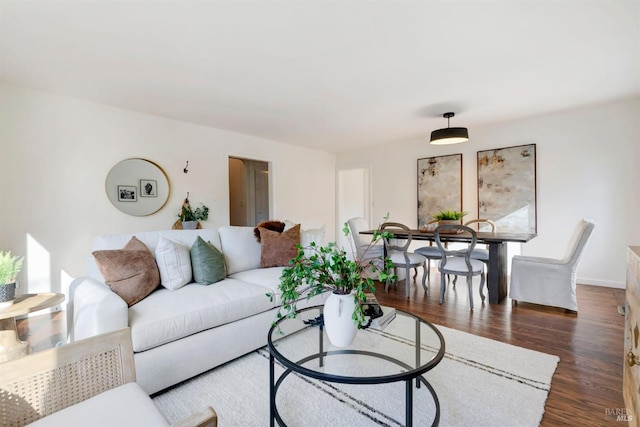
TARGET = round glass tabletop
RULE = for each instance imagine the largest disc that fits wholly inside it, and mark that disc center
(407, 347)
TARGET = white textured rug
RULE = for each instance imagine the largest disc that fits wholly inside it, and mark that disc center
(480, 382)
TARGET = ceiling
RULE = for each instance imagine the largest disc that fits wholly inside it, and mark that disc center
(334, 75)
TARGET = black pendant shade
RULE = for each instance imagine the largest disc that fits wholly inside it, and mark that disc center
(449, 135)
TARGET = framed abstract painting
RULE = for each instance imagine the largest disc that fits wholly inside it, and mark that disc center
(507, 188)
(439, 186)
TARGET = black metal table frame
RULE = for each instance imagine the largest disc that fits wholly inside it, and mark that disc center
(408, 376)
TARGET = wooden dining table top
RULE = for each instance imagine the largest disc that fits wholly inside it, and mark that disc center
(483, 236)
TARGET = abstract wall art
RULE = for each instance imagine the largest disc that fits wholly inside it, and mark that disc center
(439, 186)
(507, 188)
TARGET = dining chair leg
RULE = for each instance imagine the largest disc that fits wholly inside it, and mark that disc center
(408, 281)
(424, 284)
(482, 282)
(388, 281)
(470, 288)
(442, 287)
(428, 270)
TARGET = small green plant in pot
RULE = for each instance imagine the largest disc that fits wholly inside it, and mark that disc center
(190, 217)
(318, 269)
(449, 216)
(10, 267)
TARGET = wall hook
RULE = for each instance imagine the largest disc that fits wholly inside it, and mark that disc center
(186, 170)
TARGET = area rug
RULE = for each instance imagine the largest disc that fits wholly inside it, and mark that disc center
(480, 382)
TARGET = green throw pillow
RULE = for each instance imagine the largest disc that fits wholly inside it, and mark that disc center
(207, 263)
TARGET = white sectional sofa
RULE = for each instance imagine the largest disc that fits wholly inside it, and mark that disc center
(178, 334)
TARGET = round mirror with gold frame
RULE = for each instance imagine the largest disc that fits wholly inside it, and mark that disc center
(137, 187)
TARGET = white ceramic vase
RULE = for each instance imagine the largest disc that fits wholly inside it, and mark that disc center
(338, 321)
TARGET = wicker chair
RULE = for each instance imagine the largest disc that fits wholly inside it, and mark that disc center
(91, 381)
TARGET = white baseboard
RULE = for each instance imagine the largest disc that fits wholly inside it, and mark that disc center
(604, 283)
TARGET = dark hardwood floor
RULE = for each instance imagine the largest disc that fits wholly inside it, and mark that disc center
(588, 381)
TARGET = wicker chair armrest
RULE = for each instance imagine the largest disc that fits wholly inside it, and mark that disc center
(205, 418)
(42, 383)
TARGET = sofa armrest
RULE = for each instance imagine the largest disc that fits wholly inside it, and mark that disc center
(94, 309)
(204, 418)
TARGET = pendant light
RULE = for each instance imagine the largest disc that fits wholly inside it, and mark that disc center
(449, 135)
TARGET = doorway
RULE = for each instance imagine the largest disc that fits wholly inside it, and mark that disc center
(354, 198)
(249, 201)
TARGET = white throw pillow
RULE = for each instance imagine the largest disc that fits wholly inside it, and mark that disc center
(174, 264)
(312, 235)
(308, 236)
(240, 249)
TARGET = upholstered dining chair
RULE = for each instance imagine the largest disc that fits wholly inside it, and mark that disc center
(458, 262)
(364, 250)
(549, 281)
(432, 253)
(481, 253)
(397, 250)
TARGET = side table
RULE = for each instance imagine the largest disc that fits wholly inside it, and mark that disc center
(10, 345)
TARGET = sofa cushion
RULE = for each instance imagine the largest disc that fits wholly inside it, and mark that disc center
(307, 236)
(126, 405)
(207, 263)
(130, 272)
(267, 277)
(166, 316)
(239, 247)
(174, 264)
(279, 248)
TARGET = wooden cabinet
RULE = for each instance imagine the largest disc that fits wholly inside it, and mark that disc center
(631, 379)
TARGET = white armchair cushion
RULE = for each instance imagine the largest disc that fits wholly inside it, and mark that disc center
(126, 405)
(174, 264)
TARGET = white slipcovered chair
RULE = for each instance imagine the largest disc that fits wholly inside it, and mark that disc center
(549, 281)
(90, 382)
(362, 243)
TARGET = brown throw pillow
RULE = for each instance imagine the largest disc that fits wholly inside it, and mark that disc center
(130, 272)
(269, 225)
(279, 248)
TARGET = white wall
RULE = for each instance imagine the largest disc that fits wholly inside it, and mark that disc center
(588, 163)
(57, 152)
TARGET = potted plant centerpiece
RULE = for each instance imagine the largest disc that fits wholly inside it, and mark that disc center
(10, 267)
(449, 216)
(318, 269)
(190, 217)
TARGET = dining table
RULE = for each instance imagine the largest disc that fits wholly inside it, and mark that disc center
(497, 267)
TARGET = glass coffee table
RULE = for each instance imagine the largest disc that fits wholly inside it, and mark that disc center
(404, 350)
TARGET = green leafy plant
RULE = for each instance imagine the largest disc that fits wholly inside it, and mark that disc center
(449, 214)
(9, 267)
(201, 213)
(318, 269)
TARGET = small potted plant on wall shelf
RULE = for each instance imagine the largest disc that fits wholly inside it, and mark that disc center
(10, 267)
(189, 218)
(449, 216)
